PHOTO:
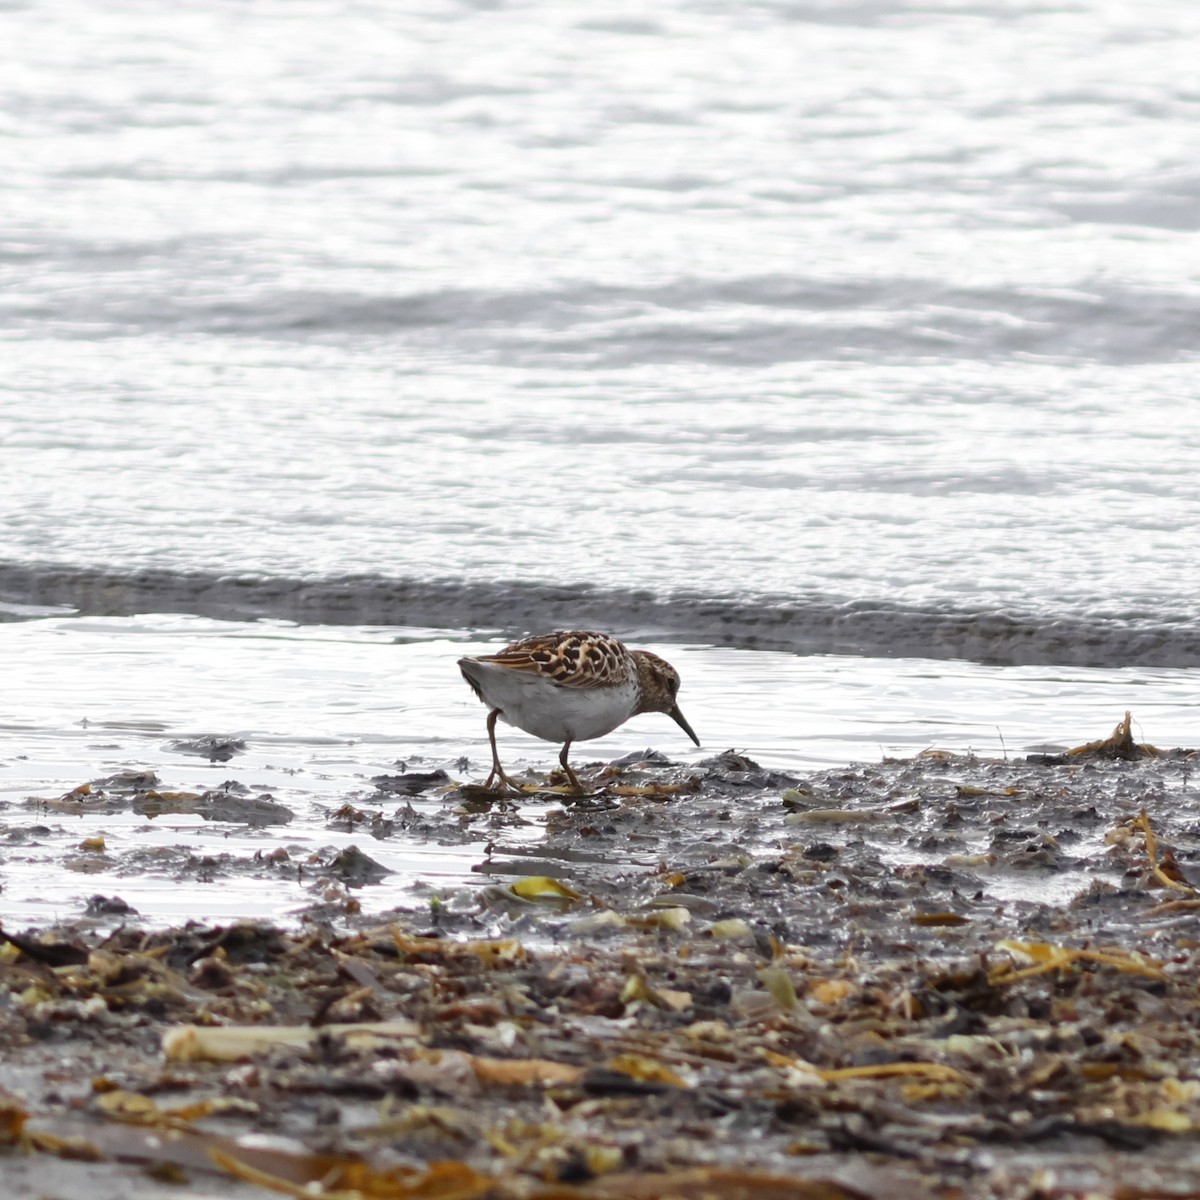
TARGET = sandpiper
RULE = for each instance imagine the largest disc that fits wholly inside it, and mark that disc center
(569, 687)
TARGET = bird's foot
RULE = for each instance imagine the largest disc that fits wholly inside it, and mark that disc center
(572, 787)
(500, 783)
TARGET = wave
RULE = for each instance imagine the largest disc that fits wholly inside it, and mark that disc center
(754, 320)
(807, 625)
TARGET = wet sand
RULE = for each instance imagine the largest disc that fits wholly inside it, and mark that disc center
(813, 625)
(947, 975)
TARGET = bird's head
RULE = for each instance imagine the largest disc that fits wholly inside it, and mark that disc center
(658, 685)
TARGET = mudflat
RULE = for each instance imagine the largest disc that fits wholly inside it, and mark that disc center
(946, 976)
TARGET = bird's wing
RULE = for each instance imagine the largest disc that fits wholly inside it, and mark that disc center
(574, 659)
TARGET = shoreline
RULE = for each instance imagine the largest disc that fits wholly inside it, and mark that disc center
(936, 976)
(807, 624)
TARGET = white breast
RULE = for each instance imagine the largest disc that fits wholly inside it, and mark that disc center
(550, 711)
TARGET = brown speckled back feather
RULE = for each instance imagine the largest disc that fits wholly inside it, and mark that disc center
(570, 658)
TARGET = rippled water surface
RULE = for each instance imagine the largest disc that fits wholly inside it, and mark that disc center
(882, 300)
(809, 324)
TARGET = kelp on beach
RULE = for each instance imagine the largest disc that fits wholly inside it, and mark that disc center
(944, 976)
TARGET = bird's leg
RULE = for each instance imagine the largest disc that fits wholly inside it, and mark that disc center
(566, 766)
(497, 771)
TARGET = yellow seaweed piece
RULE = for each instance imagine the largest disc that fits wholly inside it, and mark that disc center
(649, 789)
(930, 1090)
(832, 991)
(731, 928)
(543, 887)
(1143, 823)
(1167, 906)
(647, 1070)
(835, 816)
(499, 951)
(525, 1072)
(231, 1043)
(127, 1106)
(138, 1109)
(937, 1072)
(354, 1180)
(780, 987)
(1047, 957)
(674, 999)
(1119, 743)
(674, 917)
(13, 1115)
(601, 1160)
(638, 987)
(705, 1183)
(1166, 1120)
(77, 1148)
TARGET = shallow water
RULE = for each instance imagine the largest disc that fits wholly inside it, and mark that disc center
(323, 710)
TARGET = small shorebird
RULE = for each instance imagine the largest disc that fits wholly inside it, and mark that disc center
(569, 687)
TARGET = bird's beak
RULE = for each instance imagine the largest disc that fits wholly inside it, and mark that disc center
(681, 721)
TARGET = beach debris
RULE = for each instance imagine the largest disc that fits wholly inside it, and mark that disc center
(211, 746)
(411, 783)
(108, 906)
(352, 1179)
(350, 818)
(354, 868)
(1119, 744)
(1166, 870)
(543, 887)
(231, 1043)
(1046, 958)
(985, 990)
(52, 952)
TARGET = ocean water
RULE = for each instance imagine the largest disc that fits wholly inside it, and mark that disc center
(845, 351)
